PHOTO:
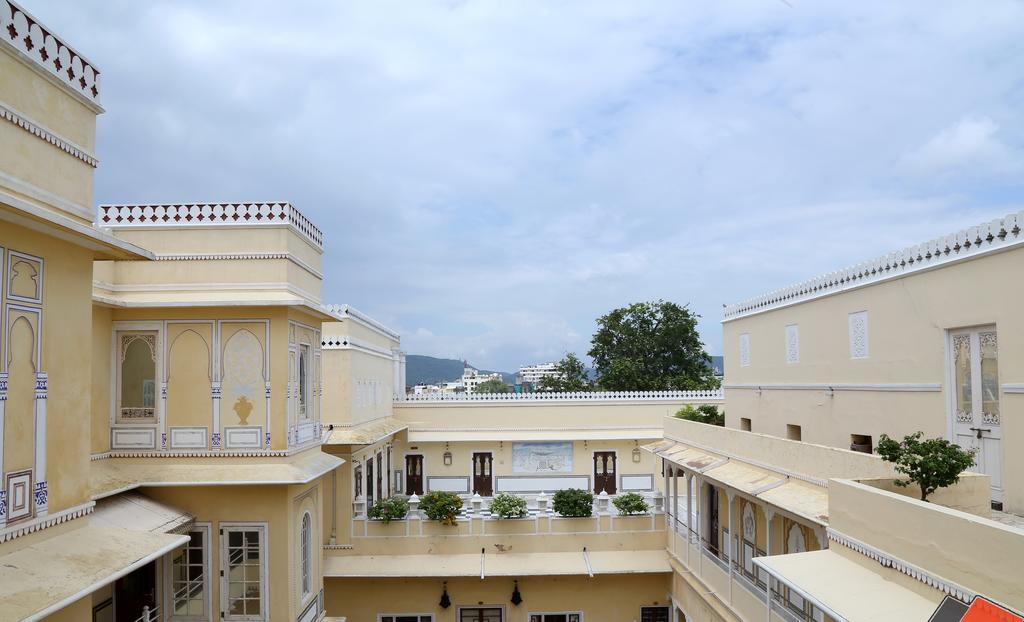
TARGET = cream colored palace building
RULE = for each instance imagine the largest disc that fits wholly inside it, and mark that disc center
(187, 432)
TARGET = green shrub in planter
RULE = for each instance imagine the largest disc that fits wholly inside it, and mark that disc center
(387, 510)
(441, 506)
(508, 506)
(573, 502)
(631, 503)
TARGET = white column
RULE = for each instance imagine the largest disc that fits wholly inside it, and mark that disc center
(3, 491)
(700, 524)
(675, 500)
(163, 415)
(689, 513)
(215, 440)
(769, 515)
(41, 492)
(729, 543)
(266, 423)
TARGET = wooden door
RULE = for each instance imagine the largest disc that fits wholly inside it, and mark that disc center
(414, 475)
(975, 401)
(713, 519)
(482, 483)
(134, 591)
(604, 472)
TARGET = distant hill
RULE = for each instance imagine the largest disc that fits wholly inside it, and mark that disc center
(420, 369)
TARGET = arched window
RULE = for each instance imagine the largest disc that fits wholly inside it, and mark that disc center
(306, 553)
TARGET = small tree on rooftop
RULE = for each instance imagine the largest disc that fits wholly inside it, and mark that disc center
(705, 413)
(931, 464)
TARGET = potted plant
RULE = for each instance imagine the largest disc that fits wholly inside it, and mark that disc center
(507, 505)
(387, 510)
(441, 506)
(573, 503)
(631, 504)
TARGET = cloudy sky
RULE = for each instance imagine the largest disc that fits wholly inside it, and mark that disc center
(492, 176)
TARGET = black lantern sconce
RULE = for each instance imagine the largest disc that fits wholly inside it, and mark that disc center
(447, 456)
(516, 596)
(445, 601)
(636, 454)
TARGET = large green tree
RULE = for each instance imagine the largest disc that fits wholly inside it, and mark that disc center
(572, 376)
(492, 386)
(651, 346)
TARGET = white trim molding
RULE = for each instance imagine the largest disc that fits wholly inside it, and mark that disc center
(10, 114)
(711, 395)
(948, 587)
(347, 312)
(994, 236)
(239, 257)
(1013, 387)
(347, 342)
(42, 522)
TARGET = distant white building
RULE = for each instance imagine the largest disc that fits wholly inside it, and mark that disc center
(444, 388)
(472, 378)
(534, 373)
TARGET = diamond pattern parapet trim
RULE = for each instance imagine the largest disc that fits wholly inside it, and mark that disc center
(998, 234)
(19, 29)
(209, 214)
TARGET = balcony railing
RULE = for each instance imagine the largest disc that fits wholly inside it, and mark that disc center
(581, 396)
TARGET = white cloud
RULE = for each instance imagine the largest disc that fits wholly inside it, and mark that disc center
(499, 174)
(971, 146)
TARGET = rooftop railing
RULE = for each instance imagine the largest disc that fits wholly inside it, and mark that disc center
(36, 42)
(580, 396)
(207, 215)
(998, 234)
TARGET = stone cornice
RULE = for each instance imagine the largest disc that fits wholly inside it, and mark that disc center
(21, 529)
(9, 114)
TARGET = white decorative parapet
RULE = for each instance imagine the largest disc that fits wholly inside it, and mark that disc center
(22, 31)
(581, 396)
(999, 234)
(208, 215)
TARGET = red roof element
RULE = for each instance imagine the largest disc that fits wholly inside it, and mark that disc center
(983, 610)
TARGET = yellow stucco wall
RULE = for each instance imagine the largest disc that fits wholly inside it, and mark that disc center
(66, 326)
(604, 597)
(908, 320)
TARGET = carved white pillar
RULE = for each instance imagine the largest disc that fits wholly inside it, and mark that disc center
(266, 429)
(41, 492)
(3, 491)
(689, 514)
(215, 441)
(163, 415)
(675, 499)
(769, 516)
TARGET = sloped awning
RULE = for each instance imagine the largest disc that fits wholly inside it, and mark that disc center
(50, 574)
(498, 564)
(851, 589)
(365, 434)
(114, 475)
(424, 435)
(135, 511)
(798, 497)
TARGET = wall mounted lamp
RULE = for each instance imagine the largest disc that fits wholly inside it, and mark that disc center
(516, 596)
(445, 600)
(636, 454)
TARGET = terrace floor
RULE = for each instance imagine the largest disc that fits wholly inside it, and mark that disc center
(1010, 520)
